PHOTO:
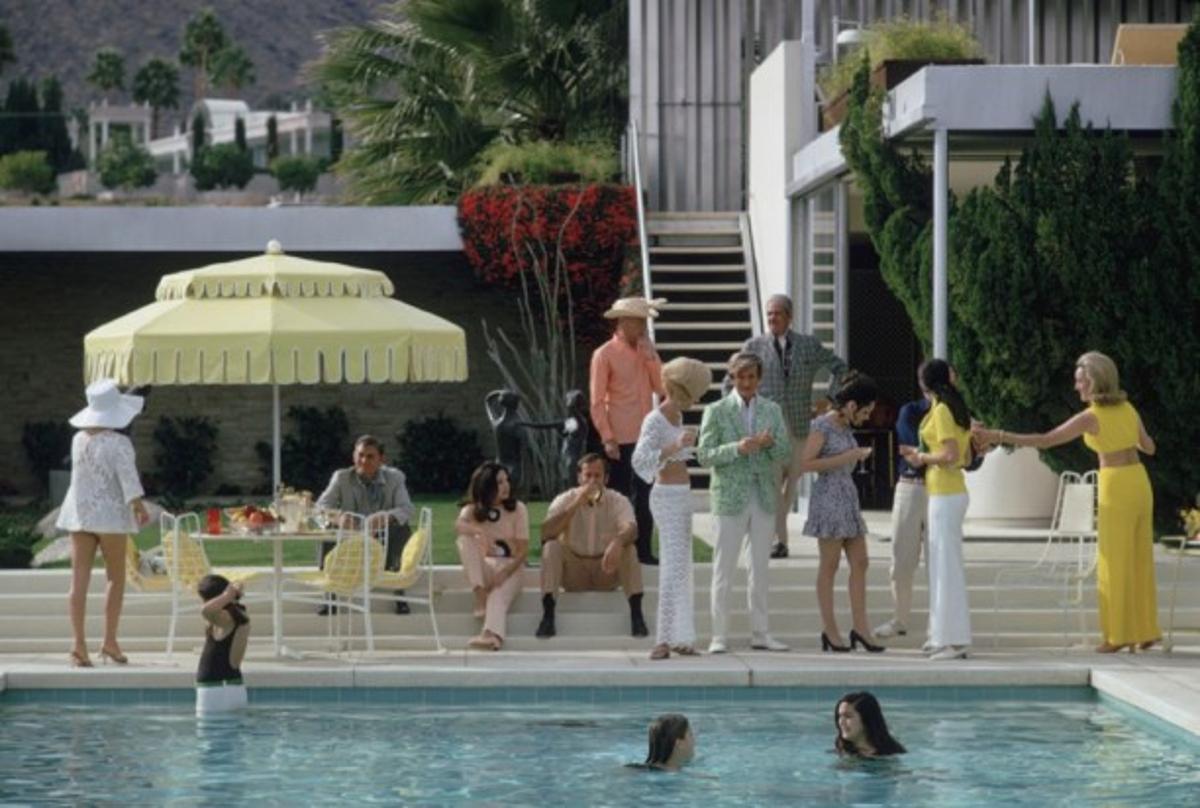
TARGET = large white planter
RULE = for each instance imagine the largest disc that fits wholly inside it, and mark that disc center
(1012, 485)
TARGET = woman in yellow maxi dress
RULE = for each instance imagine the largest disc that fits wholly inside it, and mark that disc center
(1111, 427)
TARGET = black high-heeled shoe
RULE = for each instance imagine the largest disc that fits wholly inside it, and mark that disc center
(856, 639)
(829, 645)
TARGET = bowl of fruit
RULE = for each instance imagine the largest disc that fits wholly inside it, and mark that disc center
(252, 519)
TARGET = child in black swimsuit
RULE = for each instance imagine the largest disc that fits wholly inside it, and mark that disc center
(219, 686)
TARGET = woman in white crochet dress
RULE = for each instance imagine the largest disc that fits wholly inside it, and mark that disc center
(103, 505)
(660, 457)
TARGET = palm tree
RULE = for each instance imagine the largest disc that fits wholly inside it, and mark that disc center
(157, 84)
(108, 70)
(425, 95)
(203, 38)
(231, 68)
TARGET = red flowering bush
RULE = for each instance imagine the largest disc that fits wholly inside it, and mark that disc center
(510, 230)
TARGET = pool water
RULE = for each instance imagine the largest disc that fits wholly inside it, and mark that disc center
(560, 746)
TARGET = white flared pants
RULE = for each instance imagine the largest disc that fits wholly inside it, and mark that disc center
(949, 612)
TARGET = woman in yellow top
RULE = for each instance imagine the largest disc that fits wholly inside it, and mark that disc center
(946, 447)
(1112, 428)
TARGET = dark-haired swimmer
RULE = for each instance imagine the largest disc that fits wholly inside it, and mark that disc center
(861, 728)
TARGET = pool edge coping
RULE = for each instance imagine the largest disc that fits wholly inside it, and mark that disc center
(1155, 692)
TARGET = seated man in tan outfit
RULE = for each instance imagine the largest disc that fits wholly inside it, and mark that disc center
(589, 545)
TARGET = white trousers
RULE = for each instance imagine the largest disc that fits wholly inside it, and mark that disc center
(671, 506)
(220, 699)
(949, 612)
(755, 526)
(910, 506)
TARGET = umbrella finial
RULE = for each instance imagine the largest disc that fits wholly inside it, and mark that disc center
(274, 247)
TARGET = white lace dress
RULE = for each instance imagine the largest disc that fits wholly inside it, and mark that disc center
(671, 506)
(104, 480)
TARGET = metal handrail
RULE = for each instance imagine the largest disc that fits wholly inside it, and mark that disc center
(752, 287)
(635, 150)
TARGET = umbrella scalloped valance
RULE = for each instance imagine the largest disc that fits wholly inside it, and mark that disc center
(274, 274)
(276, 319)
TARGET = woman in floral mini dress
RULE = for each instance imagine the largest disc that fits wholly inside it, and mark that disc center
(834, 516)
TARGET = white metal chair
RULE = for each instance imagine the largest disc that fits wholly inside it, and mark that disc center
(1069, 553)
(349, 571)
(186, 562)
(1186, 549)
(416, 561)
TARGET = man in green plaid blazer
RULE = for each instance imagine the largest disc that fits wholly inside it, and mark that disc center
(790, 363)
(743, 439)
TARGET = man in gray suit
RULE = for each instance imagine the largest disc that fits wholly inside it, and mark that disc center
(790, 362)
(376, 491)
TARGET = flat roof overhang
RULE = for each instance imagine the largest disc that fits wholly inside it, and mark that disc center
(989, 111)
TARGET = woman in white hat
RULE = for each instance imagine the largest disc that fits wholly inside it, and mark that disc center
(660, 458)
(103, 505)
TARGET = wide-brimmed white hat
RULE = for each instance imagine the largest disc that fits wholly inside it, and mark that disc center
(636, 307)
(107, 407)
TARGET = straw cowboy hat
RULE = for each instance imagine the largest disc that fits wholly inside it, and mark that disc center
(107, 407)
(636, 307)
(691, 374)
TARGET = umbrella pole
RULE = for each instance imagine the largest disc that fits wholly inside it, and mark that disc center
(277, 600)
(276, 471)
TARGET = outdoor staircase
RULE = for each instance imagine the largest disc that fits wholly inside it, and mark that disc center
(702, 264)
(33, 612)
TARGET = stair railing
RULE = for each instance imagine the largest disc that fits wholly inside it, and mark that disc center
(752, 289)
(634, 175)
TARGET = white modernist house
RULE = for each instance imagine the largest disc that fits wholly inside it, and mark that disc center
(965, 120)
(301, 130)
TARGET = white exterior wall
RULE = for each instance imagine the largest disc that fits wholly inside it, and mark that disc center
(776, 130)
(416, 228)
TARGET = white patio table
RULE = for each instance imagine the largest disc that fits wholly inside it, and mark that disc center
(277, 539)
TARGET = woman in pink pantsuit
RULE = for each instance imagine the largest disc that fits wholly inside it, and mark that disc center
(493, 541)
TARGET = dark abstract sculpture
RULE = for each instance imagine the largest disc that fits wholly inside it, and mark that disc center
(576, 434)
(502, 406)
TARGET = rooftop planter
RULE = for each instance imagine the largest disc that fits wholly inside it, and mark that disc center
(886, 76)
(895, 51)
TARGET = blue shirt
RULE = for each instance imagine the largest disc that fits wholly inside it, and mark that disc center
(908, 424)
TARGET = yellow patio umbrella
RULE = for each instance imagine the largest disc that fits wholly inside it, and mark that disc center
(276, 319)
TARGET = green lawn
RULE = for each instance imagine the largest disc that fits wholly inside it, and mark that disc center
(445, 510)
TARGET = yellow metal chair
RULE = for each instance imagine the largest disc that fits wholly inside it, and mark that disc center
(186, 563)
(350, 570)
(416, 561)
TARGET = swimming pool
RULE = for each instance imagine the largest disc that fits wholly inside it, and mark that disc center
(555, 746)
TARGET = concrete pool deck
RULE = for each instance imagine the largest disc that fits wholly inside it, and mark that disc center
(1164, 685)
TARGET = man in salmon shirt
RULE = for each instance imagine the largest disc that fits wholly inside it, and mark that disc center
(625, 375)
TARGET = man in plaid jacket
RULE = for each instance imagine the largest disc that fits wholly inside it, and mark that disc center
(790, 362)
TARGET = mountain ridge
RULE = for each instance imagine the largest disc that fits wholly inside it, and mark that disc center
(60, 37)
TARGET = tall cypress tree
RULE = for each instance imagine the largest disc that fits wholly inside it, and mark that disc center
(197, 134)
(21, 129)
(55, 140)
(272, 139)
